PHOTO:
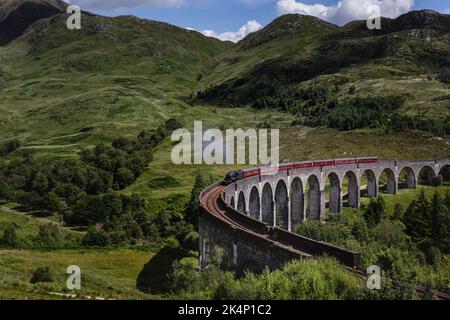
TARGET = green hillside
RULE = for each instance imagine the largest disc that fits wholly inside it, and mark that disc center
(86, 117)
(62, 89)
(298, 52)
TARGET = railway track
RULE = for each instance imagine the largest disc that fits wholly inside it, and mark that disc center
(210, 201)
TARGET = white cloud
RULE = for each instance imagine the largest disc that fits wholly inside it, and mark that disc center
(249, 27)
(120, 4)
(346, 10)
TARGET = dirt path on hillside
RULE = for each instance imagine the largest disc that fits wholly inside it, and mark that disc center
(42, 220)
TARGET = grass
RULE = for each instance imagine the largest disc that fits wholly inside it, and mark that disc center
(121, 273)
(25, 226)
(107, 274)
(61, 92)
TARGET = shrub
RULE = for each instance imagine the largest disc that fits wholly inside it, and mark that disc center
(324, 232)
(444, 75)
(374, 212)
(9, 239)
(41, 274)
(437, 181)
(50, 236)
(96, 238)
(9, 146)
(390, 233)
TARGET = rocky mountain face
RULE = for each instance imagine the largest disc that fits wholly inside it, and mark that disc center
(17, 15)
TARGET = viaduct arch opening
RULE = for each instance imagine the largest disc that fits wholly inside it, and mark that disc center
(352, 188)
(254, 204)
(282, 205)
(407, 179)
(297, 202)
(267, 204)
(232, 203)
(445, 174)
(334, 194)
(369, 184)
(387, 182)
(241, 203)
(426, 176)
(314, 198)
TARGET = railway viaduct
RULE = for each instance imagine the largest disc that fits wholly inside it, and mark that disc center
(252, 219)
(290, 197)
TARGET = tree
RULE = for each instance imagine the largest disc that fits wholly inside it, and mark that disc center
(374, 212)
(444, 75)
(9, 146)
(112, 204)
(173, 124)
(417, 220)
(193, 207)
(124, 177)
(9, 239)
(96, 238)
(41, 274)
(440, 223)
(54, 203)
(49, 236)
(40, 183)
(437, 181)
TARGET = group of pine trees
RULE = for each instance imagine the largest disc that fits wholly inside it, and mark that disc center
(428, 223)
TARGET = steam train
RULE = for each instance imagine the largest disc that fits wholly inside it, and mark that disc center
(243, 174)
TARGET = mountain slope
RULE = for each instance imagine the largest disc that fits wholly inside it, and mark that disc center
(296, 51)
(17, 15)
(63, 87)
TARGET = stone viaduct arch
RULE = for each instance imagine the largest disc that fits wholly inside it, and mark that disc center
(444, 172)
(408, 177)
(282, 205)
(390, 186)
(371, 190)
(335, 193)
(288, 198)
(241, 203)
(314, 199)
(426, 175)
(353, 189)
(255, 203)
(267, 204)
(297, 202)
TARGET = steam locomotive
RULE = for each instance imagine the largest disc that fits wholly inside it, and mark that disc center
(243, 174)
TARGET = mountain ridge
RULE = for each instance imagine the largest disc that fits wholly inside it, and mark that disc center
(414, 43)
(125, 72)
(18, 15)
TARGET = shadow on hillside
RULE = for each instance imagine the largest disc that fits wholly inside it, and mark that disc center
(153, 277)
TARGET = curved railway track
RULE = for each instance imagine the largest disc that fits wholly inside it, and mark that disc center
(212, 202)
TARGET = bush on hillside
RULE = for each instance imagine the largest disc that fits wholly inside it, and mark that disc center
(41, 274)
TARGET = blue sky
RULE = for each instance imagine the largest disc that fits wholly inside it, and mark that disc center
(216, 17)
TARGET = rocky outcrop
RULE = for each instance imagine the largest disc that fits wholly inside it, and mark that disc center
(17, 16)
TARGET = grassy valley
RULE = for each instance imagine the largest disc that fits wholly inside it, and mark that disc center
(84, 135)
